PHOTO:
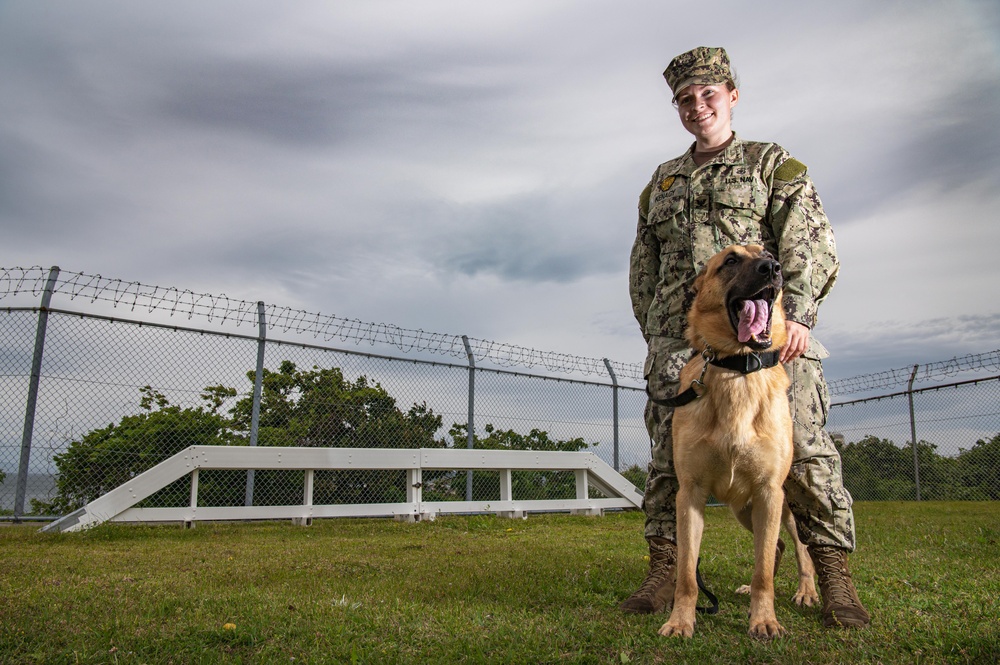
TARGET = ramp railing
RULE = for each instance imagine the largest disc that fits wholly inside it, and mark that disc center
(593, 477)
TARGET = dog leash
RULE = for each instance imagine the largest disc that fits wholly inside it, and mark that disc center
(744, 364)
(714, 607)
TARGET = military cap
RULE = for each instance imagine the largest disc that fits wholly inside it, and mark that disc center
(702, 66)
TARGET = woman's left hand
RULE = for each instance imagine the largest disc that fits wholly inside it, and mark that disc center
(798, 341)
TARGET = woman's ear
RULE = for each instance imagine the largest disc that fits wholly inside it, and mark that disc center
(734, 97)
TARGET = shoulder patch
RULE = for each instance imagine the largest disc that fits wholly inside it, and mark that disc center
(644, 199)
(790, 170)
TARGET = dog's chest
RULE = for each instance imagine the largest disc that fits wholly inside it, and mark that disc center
(732, 444)
(737, 473)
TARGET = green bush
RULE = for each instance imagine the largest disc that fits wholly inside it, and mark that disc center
(878, 470)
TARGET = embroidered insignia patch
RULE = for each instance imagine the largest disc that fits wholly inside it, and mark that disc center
(665, 184)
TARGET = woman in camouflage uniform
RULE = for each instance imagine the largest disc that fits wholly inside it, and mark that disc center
(725, 191)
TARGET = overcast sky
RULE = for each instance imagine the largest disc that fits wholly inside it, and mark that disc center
(473, 168)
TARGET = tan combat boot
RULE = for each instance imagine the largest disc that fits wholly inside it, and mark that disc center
(841, 606)
(657, 590)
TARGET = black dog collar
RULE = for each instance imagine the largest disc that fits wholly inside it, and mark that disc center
(748, 363)
(744, 364)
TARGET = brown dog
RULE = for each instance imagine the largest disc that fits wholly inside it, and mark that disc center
(735, 440)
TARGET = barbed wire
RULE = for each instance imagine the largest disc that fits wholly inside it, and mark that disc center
(221, 309)
(935, 371)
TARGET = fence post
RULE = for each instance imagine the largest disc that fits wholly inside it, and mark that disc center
(471, 427)
(913, 432)
(258, 384)
(614, 407)
(29, 409)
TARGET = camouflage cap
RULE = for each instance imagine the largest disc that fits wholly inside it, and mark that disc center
(703, 66)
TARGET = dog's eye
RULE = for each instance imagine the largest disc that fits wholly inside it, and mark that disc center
(731, 260)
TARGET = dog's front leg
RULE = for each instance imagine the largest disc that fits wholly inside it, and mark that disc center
(805, 595)
(690, 526)
(766, 515)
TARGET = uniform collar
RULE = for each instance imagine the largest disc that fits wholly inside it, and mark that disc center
(733, 154)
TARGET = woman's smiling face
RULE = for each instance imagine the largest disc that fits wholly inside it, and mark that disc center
(707, 112)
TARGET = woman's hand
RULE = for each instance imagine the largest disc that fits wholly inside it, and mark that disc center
(798, 341)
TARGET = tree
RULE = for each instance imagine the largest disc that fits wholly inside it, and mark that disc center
(318, 407)
(637, 476)
(978, 470)
(107, 457)
(321, 408)
(524, 484)
(878, 470)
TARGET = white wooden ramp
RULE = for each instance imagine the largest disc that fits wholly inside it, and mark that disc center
(119, 505)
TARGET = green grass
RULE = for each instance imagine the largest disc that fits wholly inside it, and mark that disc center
(476, 589)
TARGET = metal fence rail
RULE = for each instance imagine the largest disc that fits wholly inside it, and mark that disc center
(102, 379)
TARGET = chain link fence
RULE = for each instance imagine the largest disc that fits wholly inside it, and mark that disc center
(90, 398)
(956, 427)
(99, 382)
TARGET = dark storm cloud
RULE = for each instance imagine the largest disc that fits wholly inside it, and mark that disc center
(520, 254)
(560, 236)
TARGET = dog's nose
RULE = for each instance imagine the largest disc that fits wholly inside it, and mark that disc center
(769, 267)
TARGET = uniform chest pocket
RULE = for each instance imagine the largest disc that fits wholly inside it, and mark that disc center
(739, 213)
(668, 215)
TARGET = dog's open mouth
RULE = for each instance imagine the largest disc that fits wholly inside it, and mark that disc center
(751, 317)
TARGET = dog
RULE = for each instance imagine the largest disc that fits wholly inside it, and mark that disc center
(734, 439)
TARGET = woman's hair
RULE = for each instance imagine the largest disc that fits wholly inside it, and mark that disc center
(734, 82)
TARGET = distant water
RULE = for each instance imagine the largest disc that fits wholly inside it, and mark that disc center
(40, 486)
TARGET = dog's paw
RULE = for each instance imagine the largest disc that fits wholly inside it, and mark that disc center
(674, 628)
(744, 590)
(805, 597)
(767, 629)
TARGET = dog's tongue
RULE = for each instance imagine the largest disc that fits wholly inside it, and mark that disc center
(753, 319)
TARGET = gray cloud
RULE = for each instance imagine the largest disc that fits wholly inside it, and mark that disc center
(475, 168)
(534, 238)
(893, 344)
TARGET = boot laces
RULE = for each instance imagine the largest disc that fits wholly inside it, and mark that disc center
(835, 577)
(660, 566)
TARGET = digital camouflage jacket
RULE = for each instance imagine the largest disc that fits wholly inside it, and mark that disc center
(751, 193)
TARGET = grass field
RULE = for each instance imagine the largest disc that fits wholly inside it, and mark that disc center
(476, 589)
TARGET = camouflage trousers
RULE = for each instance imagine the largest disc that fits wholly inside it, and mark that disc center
(814, 488)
